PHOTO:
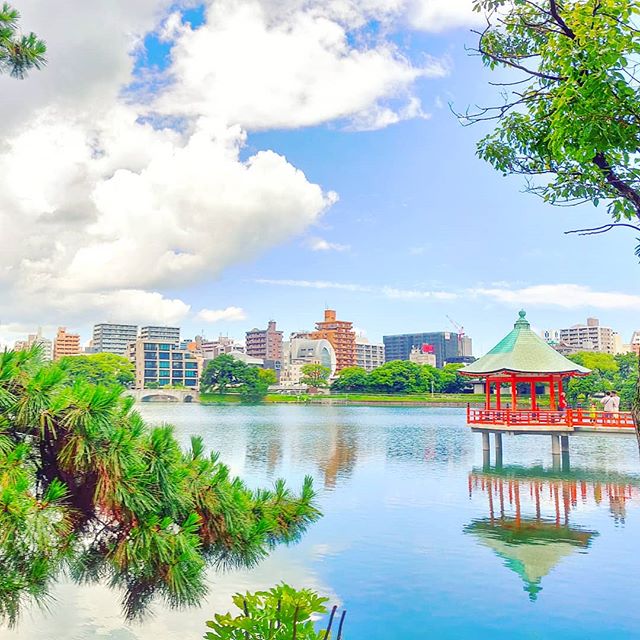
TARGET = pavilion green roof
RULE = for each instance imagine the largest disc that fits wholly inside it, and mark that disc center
(523, 351)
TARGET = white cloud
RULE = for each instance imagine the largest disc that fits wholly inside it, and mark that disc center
(290, 66)
(320, 244)
(567, 296)
(388, 292)
(442, 15)
(230, 314)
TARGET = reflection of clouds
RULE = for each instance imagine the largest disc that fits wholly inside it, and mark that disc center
(83, 612)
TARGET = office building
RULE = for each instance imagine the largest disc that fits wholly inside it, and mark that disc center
(65, 344)
(589, 337)
(447, 346)
(162, 363)
(341, 336)
(265, 343)
(369, 356)
(161, 334)
(36, 339)
(300, 351)
(113, 338)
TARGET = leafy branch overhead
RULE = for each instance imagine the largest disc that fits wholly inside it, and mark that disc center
(570, 116)
(19, 53)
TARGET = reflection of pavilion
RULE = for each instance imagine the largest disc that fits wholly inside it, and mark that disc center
(529, 515)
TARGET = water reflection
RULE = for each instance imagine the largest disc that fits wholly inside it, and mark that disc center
(529, 515)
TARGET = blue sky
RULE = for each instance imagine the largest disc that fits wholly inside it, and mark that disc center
(419, 211)
(178, 166)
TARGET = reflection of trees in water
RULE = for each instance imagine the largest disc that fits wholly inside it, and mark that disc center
(426, 444)
(528, 523)
(264, 447)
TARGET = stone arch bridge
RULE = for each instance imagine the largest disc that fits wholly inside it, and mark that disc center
(164, 395)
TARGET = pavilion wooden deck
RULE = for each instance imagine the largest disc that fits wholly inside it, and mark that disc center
(544, 421)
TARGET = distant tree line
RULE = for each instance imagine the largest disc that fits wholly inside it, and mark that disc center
(401, 376)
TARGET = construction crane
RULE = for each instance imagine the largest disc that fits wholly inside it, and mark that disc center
(460, 331)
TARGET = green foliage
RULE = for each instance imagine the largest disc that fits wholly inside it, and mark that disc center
(609, 372)
(87, 489)
(351, 379)
(315, 375)
(401, 377)
(282, 613)
(18, 53)
(226, 372)
(571, 115)
(223, 372)
(100, 368)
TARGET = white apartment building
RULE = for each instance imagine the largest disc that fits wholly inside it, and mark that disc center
(369, 356)
(167, 334)
(590, 337)
(423, 356)
(211, 349)
(301, 351)
(36, 339)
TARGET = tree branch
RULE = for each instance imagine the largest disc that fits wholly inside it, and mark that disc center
(603, 229)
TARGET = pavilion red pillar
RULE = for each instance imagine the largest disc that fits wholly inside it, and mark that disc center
(552, 394)
(514, 398)
(487, 389)
(498, 385)
(560, 393)
(534, 404)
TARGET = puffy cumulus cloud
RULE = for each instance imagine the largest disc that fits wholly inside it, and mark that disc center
(442, 15)
(230, 314)
(291, 67)
(108, 196)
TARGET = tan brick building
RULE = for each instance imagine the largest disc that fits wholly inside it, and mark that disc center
(341, 336)
(65, 344)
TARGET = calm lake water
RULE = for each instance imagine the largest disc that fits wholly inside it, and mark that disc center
(417, 540)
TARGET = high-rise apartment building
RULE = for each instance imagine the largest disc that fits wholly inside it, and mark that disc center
(369, 356)
(265, 343)
(65, 344)
(447, 346)
(113, 338)
(36, 339)
(163, 334)
(162, 363)
(211, 349)
(341, 336)
(589, 337)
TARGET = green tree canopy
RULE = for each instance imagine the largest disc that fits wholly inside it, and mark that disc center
(398, 376)
(570, 121)
(88, 490)
(315, 375)
(223, 372)
(99, 368)
(351, 379)
(18, 52)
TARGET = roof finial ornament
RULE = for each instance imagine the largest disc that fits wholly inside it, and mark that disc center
(522, 313)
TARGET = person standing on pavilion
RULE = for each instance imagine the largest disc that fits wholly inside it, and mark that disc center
(607, 404)
(615, 402)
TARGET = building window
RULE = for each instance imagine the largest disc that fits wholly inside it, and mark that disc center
(191, 374)
(149, 346)
(164, 347)
(164, 356)
(150, 373)
(164, 364)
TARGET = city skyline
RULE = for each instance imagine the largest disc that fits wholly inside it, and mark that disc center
(368, 199)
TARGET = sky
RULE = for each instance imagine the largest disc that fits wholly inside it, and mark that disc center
(215, 165)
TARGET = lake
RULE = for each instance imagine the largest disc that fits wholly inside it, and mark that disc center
(418, 540)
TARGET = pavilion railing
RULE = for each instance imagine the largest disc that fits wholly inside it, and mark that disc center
(545, 417)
